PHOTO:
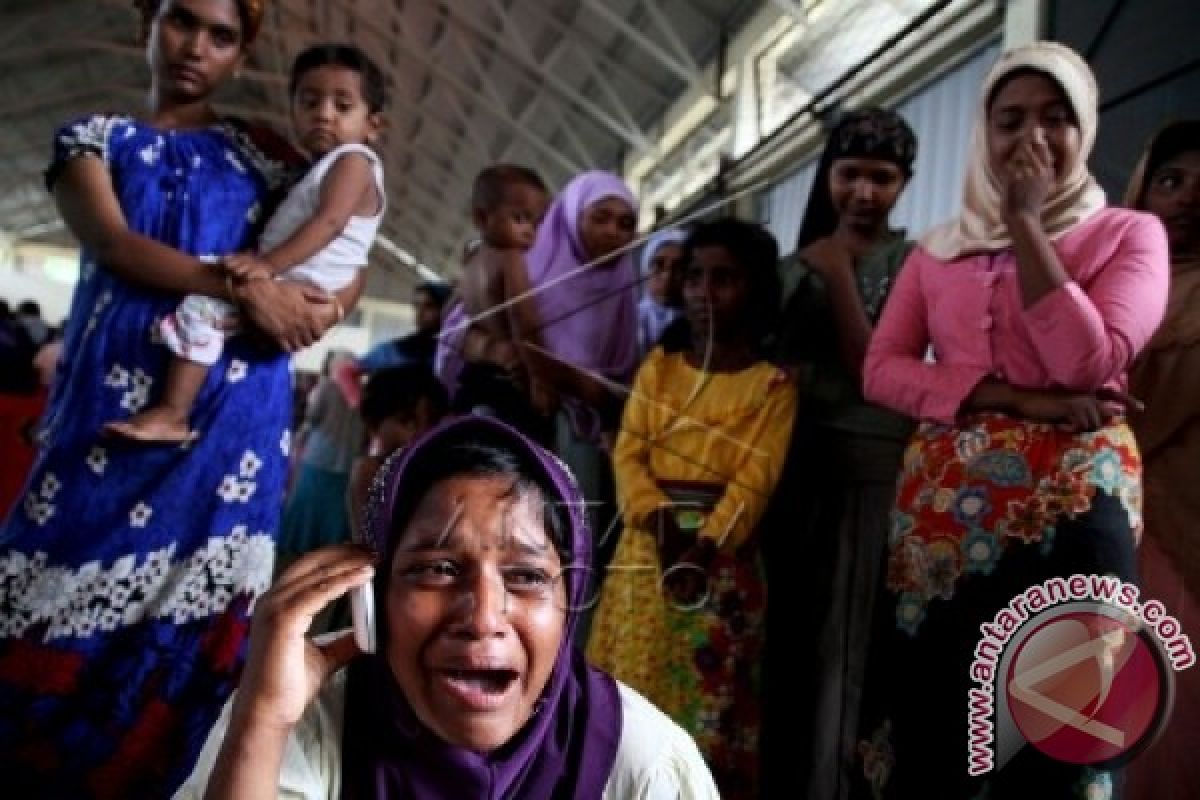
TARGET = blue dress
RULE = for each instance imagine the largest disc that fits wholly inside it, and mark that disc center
(127, 573)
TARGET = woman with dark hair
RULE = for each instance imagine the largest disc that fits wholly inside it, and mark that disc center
(129, 573)
(1035, 302)
(699, 452)
(476, 689)
(1167, 379)
(841, 473)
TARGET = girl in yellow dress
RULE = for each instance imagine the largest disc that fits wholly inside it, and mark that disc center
(699, 452)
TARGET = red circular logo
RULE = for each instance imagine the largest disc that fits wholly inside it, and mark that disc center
(1087, 688)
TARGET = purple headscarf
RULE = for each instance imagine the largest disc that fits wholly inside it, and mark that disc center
(568, 747)
(653, 316)
(588, 313)
(448, 360)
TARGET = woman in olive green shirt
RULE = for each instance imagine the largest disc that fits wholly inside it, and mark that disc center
(838, 488)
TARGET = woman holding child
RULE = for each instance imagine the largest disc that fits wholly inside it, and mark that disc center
(584, 281)
(129, 572)
(1035, 301)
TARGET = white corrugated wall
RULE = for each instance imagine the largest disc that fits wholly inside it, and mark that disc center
(942, 115)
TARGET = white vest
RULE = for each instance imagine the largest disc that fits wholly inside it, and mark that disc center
(336, 265)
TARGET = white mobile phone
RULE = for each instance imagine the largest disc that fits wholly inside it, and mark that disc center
(362, 611)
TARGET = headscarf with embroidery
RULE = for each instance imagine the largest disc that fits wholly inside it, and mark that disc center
(568, 747)
(1075, 197)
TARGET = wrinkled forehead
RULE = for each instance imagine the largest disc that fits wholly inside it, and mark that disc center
(388, 496)
(487, 511)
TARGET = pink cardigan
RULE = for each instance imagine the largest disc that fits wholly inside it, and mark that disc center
(1081, 336)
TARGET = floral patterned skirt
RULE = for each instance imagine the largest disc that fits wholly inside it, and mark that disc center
(699, 666)
(984, 510)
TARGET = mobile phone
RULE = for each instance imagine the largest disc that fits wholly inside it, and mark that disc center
(362, 612)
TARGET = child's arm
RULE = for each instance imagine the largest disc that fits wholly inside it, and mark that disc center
(744, 502)
(548, 375)
(644, 418)
(88, 204)
(523, 318)
(348, 189)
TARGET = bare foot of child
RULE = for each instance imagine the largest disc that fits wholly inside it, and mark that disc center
(156, 425)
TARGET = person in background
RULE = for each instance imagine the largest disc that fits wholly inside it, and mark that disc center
(420, 346)
(29, 314)
(329, 440)
(701, 447)
(130, 573)
(1035, 300)
(662, 300)
(482, 356)
(585, 283)
(1167, 379)
(48, 356)
(398, 405)
(17, 350)
(22, 402)
(839, 482)
(479, 552)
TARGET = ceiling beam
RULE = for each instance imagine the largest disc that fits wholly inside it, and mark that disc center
(684, 68)
(567, 34)
(510, 40)
(666, 29)
(415, 52)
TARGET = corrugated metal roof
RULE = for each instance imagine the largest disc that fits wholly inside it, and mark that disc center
(561, 85)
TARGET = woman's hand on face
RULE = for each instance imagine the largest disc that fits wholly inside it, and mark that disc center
(1028, 178)
(295, 315)
(284, 669)
(1083, 411)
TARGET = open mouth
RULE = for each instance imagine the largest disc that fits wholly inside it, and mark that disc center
(478, 689)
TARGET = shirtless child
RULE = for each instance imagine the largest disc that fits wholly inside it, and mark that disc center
(497, 375)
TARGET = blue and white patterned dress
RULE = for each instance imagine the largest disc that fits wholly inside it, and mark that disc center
(127, 572)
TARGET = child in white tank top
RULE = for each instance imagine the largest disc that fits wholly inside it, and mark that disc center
(320, 234)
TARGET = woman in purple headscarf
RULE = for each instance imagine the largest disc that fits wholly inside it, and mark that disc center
(585, 282)
(477, 690)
